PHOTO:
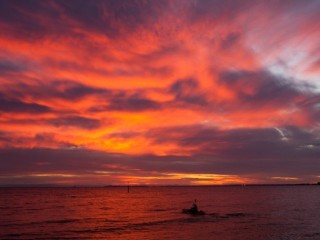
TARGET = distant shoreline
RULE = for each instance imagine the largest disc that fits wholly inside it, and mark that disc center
(146, 186)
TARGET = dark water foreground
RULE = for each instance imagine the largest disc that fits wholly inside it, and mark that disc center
(255, 212)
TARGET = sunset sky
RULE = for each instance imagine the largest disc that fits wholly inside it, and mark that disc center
(159, 92)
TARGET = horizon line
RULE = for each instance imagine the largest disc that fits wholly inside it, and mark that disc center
(154, 185)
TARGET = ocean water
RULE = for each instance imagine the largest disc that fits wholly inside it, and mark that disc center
(253, 212)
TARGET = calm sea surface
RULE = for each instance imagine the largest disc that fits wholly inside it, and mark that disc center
(254, 212)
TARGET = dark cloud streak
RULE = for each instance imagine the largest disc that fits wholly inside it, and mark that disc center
(242, 144)
(75, 121)
(17, 106)
(28, 161)
(188, 93)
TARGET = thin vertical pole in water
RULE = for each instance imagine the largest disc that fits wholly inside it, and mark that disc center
(128, 188)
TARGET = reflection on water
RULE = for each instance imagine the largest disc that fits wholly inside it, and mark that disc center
(259, 213)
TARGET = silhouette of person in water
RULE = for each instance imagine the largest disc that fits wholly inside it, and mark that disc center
(194, 208)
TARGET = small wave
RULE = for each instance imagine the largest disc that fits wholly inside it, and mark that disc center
(129, 226)
(114, 221)
(214, 217)
(34, 209)
(110, 229)
(161, 209)
(62, 221)
(58, 206)
(105, 208)
(12, 235)
(312, 235)
(190, 219)
(236, 214)
(123, 226)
